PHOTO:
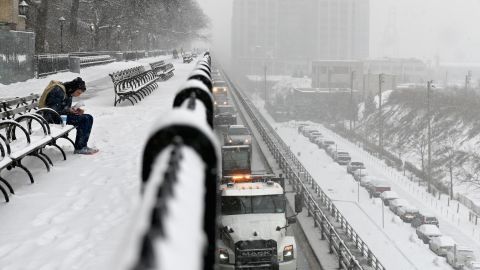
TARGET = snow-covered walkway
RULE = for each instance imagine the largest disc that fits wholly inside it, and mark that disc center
(75, 216)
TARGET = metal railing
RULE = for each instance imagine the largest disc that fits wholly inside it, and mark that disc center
(344, 241)
(179, 185)
(88, 61)
(47, 64)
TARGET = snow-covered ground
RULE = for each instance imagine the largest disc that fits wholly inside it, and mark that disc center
(396, 245)
(76, 216)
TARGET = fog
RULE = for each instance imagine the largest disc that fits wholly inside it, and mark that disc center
(421, 29)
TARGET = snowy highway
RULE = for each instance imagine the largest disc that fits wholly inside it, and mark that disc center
(306, 259)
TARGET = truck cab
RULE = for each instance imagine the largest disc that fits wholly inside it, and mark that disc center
(253, 227)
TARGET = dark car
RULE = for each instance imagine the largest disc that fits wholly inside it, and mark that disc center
(424, 218)
(407, 213)
(225, 115)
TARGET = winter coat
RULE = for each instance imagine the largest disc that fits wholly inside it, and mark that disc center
(59, 101)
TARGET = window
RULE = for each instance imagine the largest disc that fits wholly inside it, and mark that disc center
(238, 205)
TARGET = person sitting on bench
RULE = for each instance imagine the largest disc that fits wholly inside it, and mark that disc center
(58, 96)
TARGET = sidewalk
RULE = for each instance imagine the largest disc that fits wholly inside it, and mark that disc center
(75, 216)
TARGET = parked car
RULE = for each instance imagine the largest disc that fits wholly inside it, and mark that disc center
(301, 127)
(338, 153)
(237, 135)
(319, 141)
(441, 245)
(366, 180)
(343, 160)
(327, 143)
(306, 130)
(428, 231)
(355, 165)
(394, 204)
(473, 266)
(359, 174)
(424, 218)
(376, 187)
(460, 257)
(388, 196)
(330, 149)
(407, 213)
(312, 135)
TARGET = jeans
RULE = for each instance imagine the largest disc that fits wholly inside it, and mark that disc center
(84, 124)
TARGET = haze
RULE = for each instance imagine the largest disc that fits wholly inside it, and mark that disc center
(408, 28)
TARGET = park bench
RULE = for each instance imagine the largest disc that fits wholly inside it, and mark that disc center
(163, 70)
(133, 84)
(25, 132)
(187, 58)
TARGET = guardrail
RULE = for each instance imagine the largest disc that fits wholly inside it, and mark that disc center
(176, 223)
(351, 250)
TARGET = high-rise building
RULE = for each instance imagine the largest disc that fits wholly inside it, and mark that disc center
(285, 36)
(342, 29)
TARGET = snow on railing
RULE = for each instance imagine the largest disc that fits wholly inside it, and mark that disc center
(357, 256)
(175, 227)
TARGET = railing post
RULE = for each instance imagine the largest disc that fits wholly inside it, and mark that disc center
(330, 240)
(340, 257)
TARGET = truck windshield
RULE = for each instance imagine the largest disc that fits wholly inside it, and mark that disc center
(238, 205)
(238, 131)
(235, 160)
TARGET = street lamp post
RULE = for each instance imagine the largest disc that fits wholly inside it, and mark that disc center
(61, 20)
(429, 135)
(265, 72)
(352, 77)
(380, 117)
(23, 8)
(119, 27)
(92, 29)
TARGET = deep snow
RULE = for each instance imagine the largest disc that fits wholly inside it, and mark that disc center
(76, 216)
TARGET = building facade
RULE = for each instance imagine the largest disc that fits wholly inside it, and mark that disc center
(285, 36)
(9, 16)
(406, 70)
(337, 74)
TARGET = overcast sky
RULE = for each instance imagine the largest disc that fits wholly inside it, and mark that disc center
(424, 28)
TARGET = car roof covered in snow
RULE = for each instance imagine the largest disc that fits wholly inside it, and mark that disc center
(429, 229)
(444, 241)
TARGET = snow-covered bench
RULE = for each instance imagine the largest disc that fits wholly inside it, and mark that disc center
(133, 84)
(163, 70)
(187, 58)
(25, 132)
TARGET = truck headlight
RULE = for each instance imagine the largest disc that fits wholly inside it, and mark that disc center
(223, 256)
(288, 253)
(246, 140)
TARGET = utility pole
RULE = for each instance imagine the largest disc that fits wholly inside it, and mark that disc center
(352, 115)
(329, 77)
(429, 135)
(265, 71)
(380, 117)
(468, 77)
